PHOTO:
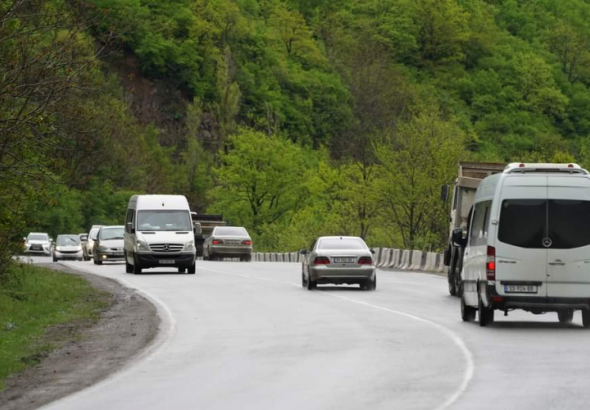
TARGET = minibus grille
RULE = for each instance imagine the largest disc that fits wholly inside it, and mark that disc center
(166, 247)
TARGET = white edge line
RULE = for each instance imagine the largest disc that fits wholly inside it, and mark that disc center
(468, 356)
(165, 332)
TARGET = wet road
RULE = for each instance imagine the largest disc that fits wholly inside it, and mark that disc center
(247, 336)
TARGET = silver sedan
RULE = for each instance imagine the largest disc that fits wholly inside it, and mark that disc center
(339, 260)
(228, 242)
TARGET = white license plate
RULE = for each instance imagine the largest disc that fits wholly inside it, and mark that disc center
(520, 288)
(344, 260)
(232, 242)
(166, 261)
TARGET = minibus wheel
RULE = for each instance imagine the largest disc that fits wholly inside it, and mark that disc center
(467, 312)
(565, 316)
(486, 316)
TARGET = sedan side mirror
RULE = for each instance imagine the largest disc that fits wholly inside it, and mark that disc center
(303, 252)
(457, 237)
(372, 251)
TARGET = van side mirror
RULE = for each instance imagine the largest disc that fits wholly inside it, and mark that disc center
(444, 192)
(303, 252)
(197, 228)
(130, 227)
(457, 237)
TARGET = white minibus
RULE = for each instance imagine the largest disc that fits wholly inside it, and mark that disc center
(159, 233)
(528, 244)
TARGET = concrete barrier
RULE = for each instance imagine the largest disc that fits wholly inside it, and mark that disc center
(430, 265)
(406, 259)
(385, 258)
(440, 263)
(395, 260)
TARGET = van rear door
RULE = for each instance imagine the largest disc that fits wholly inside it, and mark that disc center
(569, 232)
(521, 258)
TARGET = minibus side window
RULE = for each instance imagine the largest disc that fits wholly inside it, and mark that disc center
(479, 228)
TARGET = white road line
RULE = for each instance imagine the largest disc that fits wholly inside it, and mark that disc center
(467, 355)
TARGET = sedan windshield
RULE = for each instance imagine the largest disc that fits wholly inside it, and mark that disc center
(164, 221)
(117, 232)
(230, 231)
(68, 240)
(344, 243)
(37, 237)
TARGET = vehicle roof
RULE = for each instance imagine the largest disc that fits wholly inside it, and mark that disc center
(158, 202)
(489, 185)
(67, 234)
(112, 226)
(38, 233)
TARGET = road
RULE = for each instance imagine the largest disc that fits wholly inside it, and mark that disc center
(247, 336)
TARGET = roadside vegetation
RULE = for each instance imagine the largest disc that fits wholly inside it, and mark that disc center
(293, 118)
(33, 301)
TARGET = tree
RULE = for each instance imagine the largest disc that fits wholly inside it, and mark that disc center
(421, 155)
(260, 180)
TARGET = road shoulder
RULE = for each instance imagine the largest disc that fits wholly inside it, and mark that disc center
(92, 351)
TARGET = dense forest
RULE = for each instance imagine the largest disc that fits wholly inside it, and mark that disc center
(293, 118)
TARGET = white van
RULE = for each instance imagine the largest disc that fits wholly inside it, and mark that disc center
(528, 243)
(159, 233)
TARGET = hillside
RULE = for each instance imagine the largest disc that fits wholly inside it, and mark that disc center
(292, 117)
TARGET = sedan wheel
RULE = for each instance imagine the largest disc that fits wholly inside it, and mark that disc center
(565, 316)
(303, 280)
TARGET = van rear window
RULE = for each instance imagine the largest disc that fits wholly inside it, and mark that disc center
(569, 223)
(526, 222)
(523, 222)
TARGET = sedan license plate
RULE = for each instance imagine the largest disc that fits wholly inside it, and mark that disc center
(166, 261)
(344, 260)
(520, 288)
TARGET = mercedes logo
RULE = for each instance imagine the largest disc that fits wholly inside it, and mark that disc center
(547, 242)
(166, 248)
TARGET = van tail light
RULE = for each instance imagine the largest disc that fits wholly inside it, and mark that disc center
(491, 263)
(366, 260)
(217, 242)
(247, 242)
(321, 260)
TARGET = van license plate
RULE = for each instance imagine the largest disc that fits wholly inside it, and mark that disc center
(166, 261)
(520, 288)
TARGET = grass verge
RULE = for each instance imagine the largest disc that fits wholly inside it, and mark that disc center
(40, 310)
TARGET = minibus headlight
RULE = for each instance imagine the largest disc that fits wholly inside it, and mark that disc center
(189, 246)
(143, 246)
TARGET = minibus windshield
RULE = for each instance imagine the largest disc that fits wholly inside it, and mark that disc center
(163, 220)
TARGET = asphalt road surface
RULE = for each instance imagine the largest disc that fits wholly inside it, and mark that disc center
(247, 336)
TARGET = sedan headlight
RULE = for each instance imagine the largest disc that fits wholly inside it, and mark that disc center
(143, 246)
(189, 246)
(57, 248)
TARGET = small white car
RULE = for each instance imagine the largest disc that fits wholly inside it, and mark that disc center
(38, 242)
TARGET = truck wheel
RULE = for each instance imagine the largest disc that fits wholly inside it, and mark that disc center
(467, 312)
(451, 279)
(565, 316)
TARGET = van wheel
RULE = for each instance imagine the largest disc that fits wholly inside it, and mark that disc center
(192, 269)
(128, 267)
(136, 267)
(181, 270)
(586, 318)
(486, 316)
(467, 312)
(565, 316)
